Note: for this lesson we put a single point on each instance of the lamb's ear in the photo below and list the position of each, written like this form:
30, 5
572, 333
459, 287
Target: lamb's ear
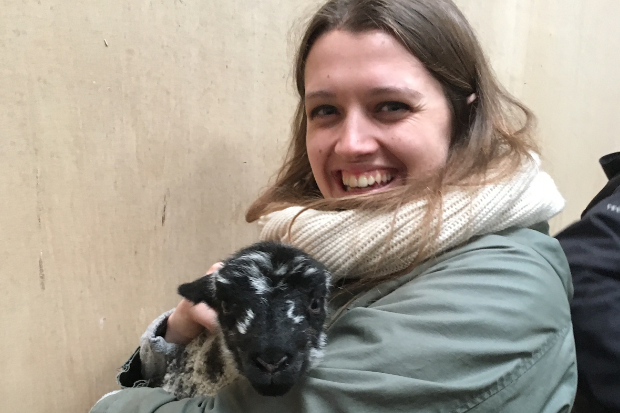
198, 291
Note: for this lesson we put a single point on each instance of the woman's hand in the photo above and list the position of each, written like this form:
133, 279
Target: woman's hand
189, 320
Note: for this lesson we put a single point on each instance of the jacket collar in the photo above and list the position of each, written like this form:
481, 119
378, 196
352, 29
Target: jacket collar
611, 166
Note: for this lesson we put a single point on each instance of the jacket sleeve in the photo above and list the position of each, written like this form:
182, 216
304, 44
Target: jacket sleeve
592, 246
147, 365
485, 329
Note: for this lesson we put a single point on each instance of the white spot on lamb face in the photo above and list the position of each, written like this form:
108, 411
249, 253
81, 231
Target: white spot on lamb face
291, 313
310, 271
260, 285
328, 279
317, 353
220, 279
259, 257
281, 270
243, 325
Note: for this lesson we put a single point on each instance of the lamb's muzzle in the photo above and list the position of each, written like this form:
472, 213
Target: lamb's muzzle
271, 302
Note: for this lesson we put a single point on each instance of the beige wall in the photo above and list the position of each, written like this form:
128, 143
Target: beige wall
134, 134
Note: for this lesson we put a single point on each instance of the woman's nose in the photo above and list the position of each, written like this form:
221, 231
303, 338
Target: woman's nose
356, 138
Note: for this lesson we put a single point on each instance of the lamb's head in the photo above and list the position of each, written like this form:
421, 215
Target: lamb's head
271, 302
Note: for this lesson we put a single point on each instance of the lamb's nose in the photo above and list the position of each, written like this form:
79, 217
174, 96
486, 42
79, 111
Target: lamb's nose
271, 367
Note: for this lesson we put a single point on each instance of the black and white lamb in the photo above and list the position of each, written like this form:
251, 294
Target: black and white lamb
271, 301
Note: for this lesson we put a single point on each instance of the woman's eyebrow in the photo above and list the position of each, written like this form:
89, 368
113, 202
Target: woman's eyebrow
377, 91
395, 90
319, 94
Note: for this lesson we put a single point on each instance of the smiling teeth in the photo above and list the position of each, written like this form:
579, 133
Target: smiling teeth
366, 180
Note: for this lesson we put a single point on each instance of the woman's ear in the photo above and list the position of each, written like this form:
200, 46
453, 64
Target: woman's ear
471, 98
201, 290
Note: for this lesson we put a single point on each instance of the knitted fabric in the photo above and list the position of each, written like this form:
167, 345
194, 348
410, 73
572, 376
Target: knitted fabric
362, 243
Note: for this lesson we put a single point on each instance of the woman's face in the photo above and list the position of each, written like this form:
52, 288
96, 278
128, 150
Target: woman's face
375, 114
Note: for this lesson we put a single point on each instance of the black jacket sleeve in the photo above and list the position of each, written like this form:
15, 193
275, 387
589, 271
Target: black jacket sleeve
592, 246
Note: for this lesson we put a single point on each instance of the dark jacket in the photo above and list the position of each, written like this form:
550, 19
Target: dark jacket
592, 246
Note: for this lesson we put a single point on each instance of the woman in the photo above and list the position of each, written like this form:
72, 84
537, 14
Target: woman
412, 175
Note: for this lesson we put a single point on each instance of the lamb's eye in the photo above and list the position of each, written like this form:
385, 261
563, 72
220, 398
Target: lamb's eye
315, 306
224, 308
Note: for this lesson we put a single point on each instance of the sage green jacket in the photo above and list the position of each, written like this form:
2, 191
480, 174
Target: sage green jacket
485, 327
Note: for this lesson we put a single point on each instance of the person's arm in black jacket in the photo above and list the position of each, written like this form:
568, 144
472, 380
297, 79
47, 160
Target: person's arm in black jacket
592, 246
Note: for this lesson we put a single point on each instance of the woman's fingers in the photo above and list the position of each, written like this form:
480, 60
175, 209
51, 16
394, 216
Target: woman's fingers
205, 316
214, 268
182, 328
188, 320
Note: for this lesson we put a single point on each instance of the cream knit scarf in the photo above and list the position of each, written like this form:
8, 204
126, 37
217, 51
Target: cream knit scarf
357, 243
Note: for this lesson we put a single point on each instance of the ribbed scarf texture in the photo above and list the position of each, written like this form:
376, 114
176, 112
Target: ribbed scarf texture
362, 243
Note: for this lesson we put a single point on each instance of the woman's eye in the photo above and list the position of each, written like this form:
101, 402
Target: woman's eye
322, 111
390, 107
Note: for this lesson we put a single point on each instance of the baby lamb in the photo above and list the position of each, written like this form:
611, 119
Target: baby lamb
271, 301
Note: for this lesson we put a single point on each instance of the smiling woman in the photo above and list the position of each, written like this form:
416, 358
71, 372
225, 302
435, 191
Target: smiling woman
413, 177
400, 91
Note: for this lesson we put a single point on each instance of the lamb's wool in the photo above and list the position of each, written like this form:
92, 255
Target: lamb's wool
202, 367
528, 198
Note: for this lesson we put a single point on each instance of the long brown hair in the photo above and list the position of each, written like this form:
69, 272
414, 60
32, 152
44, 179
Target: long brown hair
492, 133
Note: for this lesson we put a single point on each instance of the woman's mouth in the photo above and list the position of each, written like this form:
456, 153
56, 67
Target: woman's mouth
361, 182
